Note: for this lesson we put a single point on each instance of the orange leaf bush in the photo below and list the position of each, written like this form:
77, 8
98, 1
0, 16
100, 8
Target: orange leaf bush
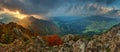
54, 40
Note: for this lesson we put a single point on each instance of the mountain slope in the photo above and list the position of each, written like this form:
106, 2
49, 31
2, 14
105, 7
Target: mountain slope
11, 31
39, 26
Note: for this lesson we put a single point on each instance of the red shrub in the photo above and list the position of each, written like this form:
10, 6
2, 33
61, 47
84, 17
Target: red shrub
54, 40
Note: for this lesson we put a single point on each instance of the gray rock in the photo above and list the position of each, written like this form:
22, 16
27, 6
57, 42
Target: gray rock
68, 37
79, 46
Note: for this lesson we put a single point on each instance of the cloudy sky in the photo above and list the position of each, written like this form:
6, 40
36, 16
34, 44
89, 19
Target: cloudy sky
64, 7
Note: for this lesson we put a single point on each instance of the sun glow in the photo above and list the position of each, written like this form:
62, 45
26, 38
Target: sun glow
15, 13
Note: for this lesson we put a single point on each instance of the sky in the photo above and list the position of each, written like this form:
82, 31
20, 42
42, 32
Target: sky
49, 8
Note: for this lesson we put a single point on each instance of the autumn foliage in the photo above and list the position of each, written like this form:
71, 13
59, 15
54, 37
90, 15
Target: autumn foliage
54, 40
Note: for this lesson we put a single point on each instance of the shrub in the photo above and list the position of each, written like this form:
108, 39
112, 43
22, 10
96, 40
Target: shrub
54, 40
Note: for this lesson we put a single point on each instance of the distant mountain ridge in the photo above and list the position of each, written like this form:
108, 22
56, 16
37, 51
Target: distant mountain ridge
84, 25
70, 25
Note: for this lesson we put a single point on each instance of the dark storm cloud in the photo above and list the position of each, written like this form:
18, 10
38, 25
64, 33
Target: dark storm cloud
44, 7
10, 4
29, 6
